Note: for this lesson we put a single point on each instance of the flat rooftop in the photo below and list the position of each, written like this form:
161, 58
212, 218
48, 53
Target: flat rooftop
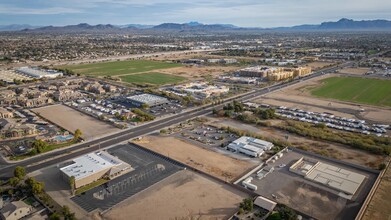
335, 177
91, 163
148, 99
244, 140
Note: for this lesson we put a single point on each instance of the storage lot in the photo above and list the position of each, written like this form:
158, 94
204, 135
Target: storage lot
311, 198
71, 120
148, 169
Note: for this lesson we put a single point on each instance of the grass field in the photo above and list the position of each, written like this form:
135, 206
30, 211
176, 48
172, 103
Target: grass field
119, 67
152, 78
355, 89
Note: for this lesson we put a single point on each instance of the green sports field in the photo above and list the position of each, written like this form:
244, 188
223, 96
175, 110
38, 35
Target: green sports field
116, 68
152, 78
355, 89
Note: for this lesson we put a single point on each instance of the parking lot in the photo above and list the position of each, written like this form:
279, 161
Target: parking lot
332, 121
211, 138
148, 169
309, 197
160, 110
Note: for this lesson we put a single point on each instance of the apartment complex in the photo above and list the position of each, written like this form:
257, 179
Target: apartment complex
273, 73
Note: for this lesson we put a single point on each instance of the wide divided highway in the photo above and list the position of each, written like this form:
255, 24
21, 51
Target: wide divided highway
56, 157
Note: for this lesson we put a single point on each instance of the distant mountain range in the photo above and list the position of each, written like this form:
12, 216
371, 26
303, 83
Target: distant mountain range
17, 27
346, 24
342, 24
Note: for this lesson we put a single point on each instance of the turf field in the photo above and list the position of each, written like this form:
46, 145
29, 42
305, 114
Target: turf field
152, 78
119, 67
355, 89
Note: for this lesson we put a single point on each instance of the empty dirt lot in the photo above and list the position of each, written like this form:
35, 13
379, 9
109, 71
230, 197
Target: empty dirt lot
298, 96
357, 71
71, 120
216, 164
193, 200
319, 65
380, 205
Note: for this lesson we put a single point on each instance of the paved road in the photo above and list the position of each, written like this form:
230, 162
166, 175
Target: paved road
6, 170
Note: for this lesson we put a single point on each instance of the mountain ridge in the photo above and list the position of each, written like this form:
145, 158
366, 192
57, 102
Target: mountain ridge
342, 24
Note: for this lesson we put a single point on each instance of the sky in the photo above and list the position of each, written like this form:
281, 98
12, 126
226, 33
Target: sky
244, 13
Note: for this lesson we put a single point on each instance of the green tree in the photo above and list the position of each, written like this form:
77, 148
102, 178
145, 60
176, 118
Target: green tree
14, 181
39, 145
37, 187
247, 204
19, 172
287, 213
55, 216
67, 213
77, 134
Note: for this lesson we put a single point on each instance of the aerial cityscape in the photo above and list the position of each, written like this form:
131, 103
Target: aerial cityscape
262, 110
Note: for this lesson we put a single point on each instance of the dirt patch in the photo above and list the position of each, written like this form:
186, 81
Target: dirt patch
193, 200
334, 150
379, 206
319, 65
357, 71
221, 166
71, 120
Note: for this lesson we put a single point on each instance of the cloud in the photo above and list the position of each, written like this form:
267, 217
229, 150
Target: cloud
38, 11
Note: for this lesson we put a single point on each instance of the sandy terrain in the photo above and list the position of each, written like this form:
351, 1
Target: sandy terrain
318, 65
358, 71
297, 96
193, 200
335, 150
380, 205
71, 120
221, 166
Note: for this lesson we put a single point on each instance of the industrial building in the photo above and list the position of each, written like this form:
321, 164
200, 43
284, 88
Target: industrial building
147, 99
94, 166
39, 73
250, 146
339, 179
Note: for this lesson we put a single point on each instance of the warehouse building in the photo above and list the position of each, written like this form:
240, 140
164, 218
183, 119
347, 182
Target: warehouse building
336, 178
39, 73
94, 166
148, 99
250, 146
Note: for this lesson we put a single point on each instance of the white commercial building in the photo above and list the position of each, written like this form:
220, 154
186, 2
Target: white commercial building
148, 99
39, 73
199, 90
250, 146
94, 166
